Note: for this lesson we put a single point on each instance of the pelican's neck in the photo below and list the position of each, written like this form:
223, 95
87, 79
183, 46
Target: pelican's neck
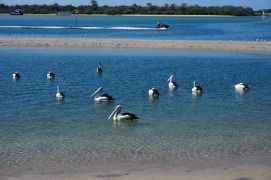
170, 79
116, 114
98, 93
58, 89
194, 83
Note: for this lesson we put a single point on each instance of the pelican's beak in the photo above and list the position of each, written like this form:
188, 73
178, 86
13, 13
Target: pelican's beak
112, 114
98, 90
170, 78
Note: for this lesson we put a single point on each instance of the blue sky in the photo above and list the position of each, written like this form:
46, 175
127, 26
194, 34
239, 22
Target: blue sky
255, 4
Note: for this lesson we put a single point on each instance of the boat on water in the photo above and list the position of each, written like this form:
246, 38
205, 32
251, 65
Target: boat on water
161, 26
263, 16
17, 12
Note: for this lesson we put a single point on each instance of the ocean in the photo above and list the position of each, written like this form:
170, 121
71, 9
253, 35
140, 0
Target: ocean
38, 132
125, 27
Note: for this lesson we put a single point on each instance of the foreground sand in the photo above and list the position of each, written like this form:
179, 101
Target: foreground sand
241, 172
250, 46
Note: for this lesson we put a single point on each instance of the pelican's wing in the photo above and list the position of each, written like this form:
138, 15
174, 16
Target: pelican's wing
199, 88
175, 84
133, 116
155, 91
108, 96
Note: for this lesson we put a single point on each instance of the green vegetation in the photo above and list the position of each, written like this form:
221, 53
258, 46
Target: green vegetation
167, 9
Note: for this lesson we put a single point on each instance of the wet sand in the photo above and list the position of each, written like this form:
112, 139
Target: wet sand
240, 172
248, 46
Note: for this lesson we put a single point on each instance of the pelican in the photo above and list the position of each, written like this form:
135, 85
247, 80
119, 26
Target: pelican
99, 68
172, 84
117, 116
50, 75
154, 92
241, 87
103, 97
196, 88
16, 76
59, 95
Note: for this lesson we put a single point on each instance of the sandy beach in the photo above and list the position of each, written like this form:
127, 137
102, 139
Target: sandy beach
229, 172
248, 46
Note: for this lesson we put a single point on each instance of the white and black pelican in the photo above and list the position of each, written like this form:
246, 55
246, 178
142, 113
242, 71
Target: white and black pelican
172, 84
16, 76
50, 75
154, 92
101, 97
241, 87
117, 116
59, 95
196, 88
99, 68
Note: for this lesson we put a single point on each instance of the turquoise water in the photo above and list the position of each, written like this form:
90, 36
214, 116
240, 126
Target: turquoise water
37, 131
203, 28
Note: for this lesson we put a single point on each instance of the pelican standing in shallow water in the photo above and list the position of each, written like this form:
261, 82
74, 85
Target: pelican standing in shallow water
196, 88
16, 76
172, 84
50, 75
154, 92
241, 87
99, 68
99, 97
117, 116
59, 95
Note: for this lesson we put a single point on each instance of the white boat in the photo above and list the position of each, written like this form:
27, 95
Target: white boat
263, 16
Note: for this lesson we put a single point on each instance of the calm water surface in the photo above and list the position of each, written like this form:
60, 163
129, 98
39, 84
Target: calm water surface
37, 131
204, 28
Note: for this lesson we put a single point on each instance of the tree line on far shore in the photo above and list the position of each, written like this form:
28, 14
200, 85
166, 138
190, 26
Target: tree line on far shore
149, 9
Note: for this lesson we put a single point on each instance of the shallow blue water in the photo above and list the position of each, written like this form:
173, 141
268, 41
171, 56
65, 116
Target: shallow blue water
205, 28
37, 131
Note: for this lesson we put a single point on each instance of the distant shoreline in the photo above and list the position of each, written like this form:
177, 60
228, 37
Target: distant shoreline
130, 15
247, 46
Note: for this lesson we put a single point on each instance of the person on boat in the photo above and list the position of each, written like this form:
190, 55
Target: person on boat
160, 25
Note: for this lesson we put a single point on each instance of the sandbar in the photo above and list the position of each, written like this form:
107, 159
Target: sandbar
248, 46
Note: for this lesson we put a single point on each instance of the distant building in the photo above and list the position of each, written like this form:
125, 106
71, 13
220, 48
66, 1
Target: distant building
66, 13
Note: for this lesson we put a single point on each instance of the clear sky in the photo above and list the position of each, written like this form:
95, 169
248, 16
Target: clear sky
255, 4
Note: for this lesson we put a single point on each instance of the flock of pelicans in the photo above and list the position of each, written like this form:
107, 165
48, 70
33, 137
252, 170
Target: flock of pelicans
116, 114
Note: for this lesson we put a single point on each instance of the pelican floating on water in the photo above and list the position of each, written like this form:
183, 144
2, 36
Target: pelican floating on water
50, 75
101, 97
117, 116
172, 84
99, 68
16, 76
59, 95
241, 87
196, 88
154, 92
